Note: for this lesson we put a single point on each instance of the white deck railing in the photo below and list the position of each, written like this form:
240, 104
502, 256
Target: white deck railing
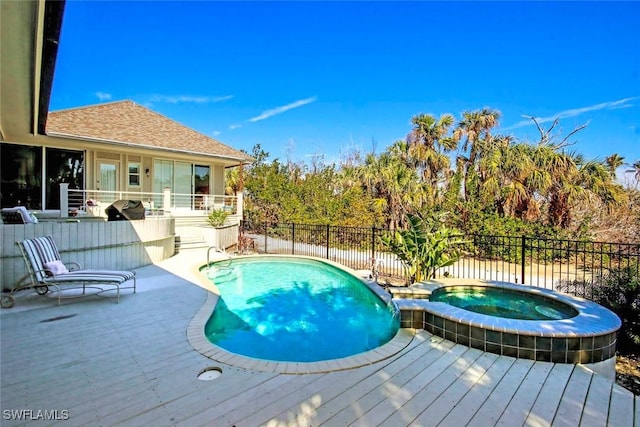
94, 202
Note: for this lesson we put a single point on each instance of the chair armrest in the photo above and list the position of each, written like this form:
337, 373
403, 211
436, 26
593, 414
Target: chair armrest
75, 265
44, 272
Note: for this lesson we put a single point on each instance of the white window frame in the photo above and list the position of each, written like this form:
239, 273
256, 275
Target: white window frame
130, 174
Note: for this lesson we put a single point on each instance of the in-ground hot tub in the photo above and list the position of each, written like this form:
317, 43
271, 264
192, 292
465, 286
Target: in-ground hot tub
504, 302
515, 320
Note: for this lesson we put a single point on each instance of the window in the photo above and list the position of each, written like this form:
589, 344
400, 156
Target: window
21, 176
22, 171
62, 166
134, 174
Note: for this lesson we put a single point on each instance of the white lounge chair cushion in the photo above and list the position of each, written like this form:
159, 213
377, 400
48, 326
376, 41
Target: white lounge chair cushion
96, 276
55, 267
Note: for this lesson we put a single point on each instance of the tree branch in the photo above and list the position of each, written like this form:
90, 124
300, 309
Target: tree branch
564, 142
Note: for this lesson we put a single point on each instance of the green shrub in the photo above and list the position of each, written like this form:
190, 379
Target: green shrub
217, 217
424, 247
619, 291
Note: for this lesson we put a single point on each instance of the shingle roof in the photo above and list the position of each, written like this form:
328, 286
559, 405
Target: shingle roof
131, 123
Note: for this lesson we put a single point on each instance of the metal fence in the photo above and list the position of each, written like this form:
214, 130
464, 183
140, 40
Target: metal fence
569, 265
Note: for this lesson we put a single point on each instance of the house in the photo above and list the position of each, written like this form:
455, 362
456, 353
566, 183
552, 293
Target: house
106, 152
84, 158
124, 150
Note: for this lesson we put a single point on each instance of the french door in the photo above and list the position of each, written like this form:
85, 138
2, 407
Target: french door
107, 180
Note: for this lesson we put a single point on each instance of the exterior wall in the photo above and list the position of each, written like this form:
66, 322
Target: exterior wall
217, 177
121, 245
21, 29
96, 152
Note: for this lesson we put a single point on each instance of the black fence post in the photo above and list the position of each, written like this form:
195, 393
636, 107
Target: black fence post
266, 236
328, 241
373, 242
523, 244
293, 238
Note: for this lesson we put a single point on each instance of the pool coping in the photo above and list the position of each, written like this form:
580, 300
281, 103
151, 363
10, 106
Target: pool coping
199, 341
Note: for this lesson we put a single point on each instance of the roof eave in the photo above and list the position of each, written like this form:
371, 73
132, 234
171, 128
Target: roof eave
244, 160
54, 12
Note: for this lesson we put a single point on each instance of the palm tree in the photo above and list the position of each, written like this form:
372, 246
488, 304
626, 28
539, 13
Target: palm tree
475, 126
428, 142
516, 180
232, 181
581, 181
613, 162
635, 169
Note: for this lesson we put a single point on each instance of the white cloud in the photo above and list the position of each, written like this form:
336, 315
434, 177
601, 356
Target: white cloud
103, 96
189, 98
235, 126
216, 133
279, 110
611, 105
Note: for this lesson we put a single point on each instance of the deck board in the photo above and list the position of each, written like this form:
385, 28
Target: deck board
440, 407
366, 394
596, 407
422, 390
524, 398
621, 408
573, 399
496, 403
131, 364
548, 399
466, 408
390, 387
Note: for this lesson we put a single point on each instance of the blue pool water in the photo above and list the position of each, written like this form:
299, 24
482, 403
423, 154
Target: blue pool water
295, 310
503, 303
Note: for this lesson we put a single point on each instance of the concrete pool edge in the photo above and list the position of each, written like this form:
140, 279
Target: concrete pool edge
198, 340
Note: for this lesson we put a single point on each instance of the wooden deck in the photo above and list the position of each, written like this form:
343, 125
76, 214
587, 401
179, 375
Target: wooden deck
130, 364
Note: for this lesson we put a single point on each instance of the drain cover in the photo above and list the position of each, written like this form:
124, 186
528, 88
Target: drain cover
210, 373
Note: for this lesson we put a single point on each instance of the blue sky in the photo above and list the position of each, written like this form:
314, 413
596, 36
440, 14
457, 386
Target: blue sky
308, 78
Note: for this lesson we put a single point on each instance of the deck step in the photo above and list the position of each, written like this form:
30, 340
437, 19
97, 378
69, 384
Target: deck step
189, 241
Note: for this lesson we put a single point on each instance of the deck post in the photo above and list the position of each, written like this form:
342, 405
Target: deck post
64, 200
166, 199
240, 204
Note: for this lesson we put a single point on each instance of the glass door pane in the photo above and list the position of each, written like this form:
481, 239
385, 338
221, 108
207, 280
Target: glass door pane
162, 178
107, 182
182, 184
201, 186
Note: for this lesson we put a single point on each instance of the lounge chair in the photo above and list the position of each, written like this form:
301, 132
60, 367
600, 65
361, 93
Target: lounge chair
17, 215
45, 269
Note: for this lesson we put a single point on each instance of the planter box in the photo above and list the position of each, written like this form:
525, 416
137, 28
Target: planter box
221, 237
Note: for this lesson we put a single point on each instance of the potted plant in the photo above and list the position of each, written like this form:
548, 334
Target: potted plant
217, 217
220, 233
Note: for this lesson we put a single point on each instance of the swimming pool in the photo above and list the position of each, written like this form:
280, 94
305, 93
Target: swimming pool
295, 309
